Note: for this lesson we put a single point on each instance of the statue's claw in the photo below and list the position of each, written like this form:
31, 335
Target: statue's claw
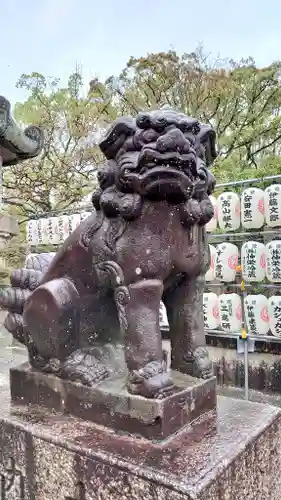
201, 364
151, 381
83, 367
196, 363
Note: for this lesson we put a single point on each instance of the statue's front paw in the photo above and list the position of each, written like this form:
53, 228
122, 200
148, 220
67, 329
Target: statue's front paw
195, 363
83, 367
202, 366
151, 381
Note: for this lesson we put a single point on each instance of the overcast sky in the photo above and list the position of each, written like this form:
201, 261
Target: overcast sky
52, 36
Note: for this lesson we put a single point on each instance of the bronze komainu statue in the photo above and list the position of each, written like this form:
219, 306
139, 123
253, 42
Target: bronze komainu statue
145, 241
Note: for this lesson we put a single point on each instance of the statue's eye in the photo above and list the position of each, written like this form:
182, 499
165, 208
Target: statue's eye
161, 122
196, 128
143, 121
184, 126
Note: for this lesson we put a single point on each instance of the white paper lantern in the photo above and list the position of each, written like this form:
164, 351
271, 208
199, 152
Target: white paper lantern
228, 206
53, 230
256, 314
63, 224
211, 311
32, 232
274, 313
273, 261
226, 260
252, 208
212, 224
230, 312
253, 261
210, 274
272, 205
84, 215
74, 221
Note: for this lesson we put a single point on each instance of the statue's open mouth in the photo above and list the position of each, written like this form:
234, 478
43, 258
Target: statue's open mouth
164, 175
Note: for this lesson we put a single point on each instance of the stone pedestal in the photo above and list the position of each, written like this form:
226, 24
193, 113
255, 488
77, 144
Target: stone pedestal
45, 455
109, 403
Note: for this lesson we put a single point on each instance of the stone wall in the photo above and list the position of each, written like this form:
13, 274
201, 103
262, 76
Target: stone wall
228, 365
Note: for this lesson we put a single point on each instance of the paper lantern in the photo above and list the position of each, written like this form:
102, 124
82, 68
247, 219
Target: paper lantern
253, 261
272, 205
32, 232
74, 221
256, 314
230, 312
228, 206
63, 224
274, 313
84, 215
210, 274
252, 208
53, 230
211, 311
212, 224
273, 261
226, 260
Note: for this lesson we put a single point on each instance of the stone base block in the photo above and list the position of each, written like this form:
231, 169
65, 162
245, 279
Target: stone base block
46, 455
109, 403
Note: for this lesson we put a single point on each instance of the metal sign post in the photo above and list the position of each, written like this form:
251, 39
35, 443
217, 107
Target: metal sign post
245, 344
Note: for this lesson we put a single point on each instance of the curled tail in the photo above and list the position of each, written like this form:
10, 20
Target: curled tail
23, 282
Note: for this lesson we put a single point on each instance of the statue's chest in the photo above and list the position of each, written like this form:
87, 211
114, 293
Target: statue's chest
188, 249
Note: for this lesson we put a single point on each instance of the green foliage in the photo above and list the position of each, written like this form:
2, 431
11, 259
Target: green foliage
65, 171
240, 100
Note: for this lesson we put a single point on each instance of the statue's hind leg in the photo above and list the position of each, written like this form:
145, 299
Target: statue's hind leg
52, 327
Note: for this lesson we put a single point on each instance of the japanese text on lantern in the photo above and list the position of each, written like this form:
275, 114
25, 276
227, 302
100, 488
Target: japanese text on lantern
12, 481
205, 307
226, 313
50, 230
247, 207
277, 318
219, 266
273, 206
251, 318
226, 211
40, 231
250, 262
276, 262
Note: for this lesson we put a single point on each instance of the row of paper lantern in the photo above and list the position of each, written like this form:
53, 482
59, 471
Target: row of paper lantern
258, 261
262, 315
255, 208
52, 230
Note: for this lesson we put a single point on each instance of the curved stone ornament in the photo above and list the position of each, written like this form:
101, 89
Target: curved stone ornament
16, 144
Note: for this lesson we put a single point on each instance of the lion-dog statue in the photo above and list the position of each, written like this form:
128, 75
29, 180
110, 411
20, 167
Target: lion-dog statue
144, 242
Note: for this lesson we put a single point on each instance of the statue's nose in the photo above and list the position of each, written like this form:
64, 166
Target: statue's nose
173, 140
